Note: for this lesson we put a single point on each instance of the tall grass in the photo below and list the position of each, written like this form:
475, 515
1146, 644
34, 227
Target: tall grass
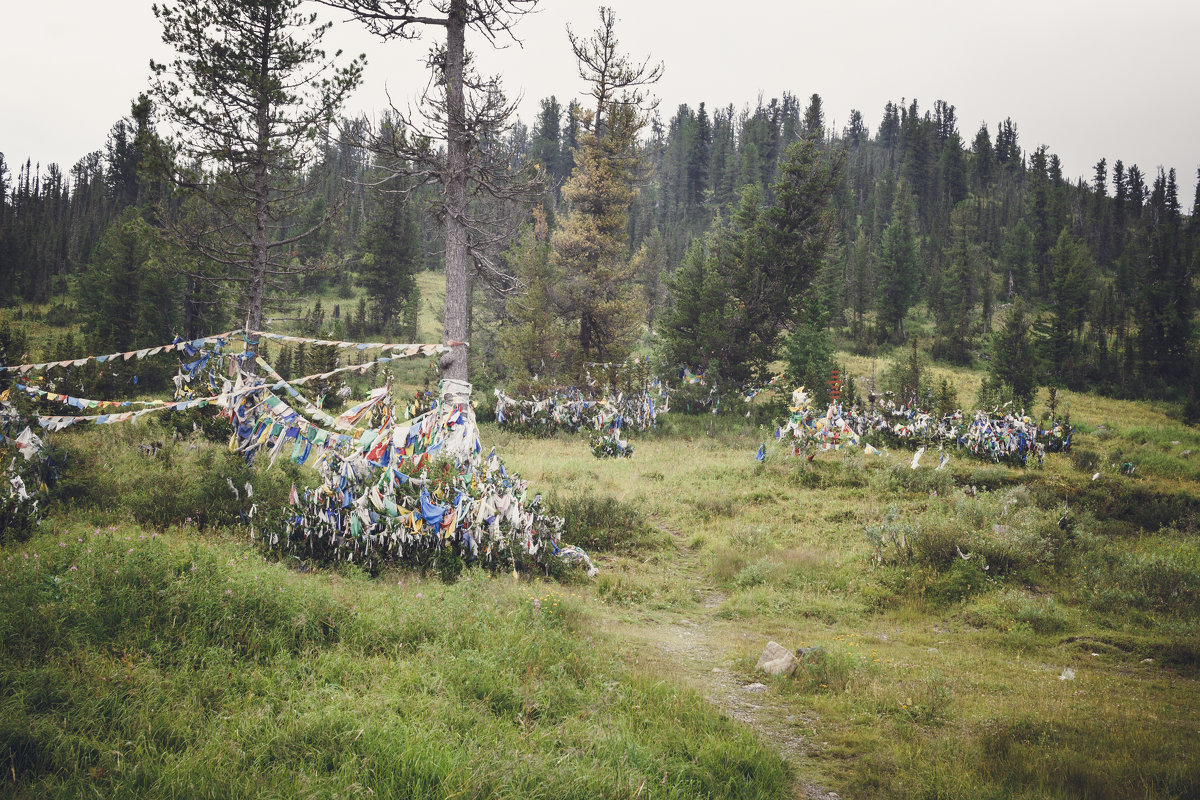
161, 665
149, 474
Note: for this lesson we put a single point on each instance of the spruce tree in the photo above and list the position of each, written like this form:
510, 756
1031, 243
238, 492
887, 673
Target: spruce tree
534, 339
808, 350
123, 300
248, 89
897, 284
1012, 371
651, 268
391, 258
1073, 269
1165, 293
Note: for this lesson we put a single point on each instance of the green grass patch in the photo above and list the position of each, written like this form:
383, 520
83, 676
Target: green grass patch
605, 524
148, 665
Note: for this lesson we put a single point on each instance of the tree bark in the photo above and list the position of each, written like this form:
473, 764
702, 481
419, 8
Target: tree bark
261, 195
454, 363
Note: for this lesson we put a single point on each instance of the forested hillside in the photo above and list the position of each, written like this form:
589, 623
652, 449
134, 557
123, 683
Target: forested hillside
923, 217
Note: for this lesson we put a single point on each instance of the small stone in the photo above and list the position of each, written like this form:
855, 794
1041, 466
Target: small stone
1095, 654
1068, 674
1147, 660
755, 687
776, 660
810, 653
933, 649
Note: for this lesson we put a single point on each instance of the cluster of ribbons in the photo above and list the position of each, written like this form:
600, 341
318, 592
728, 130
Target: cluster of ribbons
610, 445
405, 490
988, 436
15, 431
570, 409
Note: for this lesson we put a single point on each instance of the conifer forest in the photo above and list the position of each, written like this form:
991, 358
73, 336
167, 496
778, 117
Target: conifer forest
648, 446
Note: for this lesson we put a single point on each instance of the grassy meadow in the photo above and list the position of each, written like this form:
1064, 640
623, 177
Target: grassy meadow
978, 632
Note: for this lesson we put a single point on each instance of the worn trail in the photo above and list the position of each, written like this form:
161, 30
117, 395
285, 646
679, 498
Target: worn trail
716, 657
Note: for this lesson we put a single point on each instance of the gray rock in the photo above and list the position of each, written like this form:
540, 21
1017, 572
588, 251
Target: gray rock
755, 687
776, 660
814, 653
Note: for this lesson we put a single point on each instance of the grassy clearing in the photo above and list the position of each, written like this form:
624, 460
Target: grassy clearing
938, 675
981, 632
165, 664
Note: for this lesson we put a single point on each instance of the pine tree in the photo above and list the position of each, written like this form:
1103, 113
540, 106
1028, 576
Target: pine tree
897, 268
390, 261
467, 113
598, 293
808, 351
248, 89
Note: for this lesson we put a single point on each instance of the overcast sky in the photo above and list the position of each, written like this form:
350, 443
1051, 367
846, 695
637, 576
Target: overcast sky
1088, 78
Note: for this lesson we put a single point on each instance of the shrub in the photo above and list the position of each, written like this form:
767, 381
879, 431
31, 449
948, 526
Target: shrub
604, 523
823, 670
1165, 578
960, 550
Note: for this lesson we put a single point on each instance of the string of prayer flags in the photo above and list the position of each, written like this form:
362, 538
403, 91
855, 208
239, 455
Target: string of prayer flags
570, 409
189, 346
398, 350
82, 403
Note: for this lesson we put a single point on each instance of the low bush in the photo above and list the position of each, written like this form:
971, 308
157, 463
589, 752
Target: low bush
1160, 574
966, 545
828, 670
605, 524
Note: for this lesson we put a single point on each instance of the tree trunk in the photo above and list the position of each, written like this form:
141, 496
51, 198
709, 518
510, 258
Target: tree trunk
454, 363
261, 195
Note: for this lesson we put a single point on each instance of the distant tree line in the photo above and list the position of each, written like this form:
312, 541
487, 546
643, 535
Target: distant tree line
723, 238
1094, 282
